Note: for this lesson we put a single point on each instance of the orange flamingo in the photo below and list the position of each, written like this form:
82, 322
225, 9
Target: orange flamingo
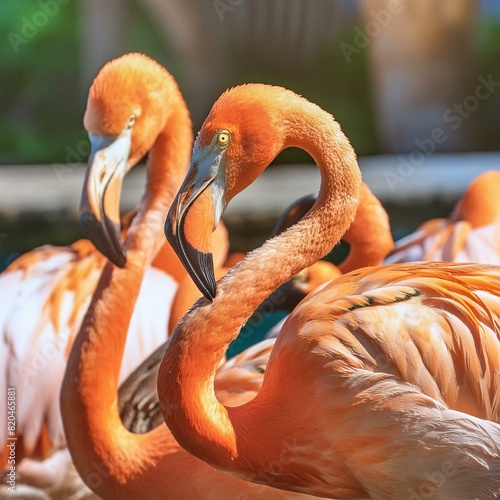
377, 380
111, 460
369, 237
471, 234
45, 293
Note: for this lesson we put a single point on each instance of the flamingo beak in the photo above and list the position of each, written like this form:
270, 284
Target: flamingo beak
100, 202
194, 215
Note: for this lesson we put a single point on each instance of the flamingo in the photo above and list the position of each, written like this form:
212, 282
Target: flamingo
112, 461
380, 382
369, 237
58, 283
370, 240
471, 234
45, 293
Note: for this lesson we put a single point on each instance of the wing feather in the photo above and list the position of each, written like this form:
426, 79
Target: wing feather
449, 242
434, 325
43, 298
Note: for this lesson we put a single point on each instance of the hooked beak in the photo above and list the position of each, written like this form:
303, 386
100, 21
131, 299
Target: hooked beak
100, 202
195, 213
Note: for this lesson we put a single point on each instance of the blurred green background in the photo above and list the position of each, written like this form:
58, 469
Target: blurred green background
44, 79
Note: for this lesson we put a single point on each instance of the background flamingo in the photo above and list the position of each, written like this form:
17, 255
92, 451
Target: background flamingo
358, 383
369, 238
44, 295
39, 323
471, 234
114, 462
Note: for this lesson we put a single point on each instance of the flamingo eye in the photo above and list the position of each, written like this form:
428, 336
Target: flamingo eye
131, 121
223, 138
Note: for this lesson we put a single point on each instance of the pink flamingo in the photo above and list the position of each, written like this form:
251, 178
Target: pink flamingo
376, 379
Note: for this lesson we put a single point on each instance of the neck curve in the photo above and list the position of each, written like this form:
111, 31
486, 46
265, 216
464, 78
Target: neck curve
369, 235
94, 431
200, 424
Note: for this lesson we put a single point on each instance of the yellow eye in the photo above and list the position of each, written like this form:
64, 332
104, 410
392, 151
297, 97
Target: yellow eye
223, 137
131, 121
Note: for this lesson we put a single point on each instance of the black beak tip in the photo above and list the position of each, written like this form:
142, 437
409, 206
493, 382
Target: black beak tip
198, 264
201, 269
211, 292
105, 236
119, 259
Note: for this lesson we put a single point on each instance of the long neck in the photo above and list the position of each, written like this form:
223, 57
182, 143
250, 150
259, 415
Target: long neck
198, 421
369, 236
95, 433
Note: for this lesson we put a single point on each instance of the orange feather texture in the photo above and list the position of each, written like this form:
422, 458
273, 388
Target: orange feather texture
123, 88
114, 462
377, 381
470, 234
369, 235
45, 293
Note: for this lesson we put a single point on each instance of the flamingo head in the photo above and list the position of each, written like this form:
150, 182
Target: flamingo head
126, 111
242, 134
480, 203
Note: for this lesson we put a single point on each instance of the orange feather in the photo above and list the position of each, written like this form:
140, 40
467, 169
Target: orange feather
114, 462
378, 379
471, 234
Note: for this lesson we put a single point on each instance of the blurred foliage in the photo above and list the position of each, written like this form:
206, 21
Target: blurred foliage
488, 50
42, 105
337, 86
39, 76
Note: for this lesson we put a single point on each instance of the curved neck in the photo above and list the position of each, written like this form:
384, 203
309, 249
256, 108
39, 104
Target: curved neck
93, 427
199, 422
369, 235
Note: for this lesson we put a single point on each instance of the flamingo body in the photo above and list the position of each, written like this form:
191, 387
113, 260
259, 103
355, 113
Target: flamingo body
471, 234
449, 242
375, 379
114, 462
44, 295
377, 336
